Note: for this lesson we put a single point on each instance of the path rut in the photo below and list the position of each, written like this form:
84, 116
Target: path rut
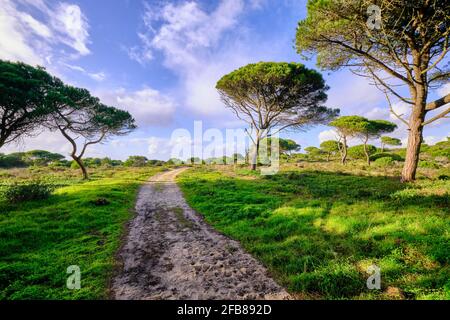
171, 253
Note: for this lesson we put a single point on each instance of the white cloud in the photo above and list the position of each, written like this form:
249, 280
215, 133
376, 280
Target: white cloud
73, 26
13, 34
37, 27
51, 141
99, 76
444, 90
328, 135
199, 46
148, 106
431, 140
355, 95
34, 33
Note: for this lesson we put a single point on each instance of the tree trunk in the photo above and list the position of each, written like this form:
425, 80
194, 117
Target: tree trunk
82, 167
366, 152
328, 157
254, 163
344, 151
415, 139
382, 147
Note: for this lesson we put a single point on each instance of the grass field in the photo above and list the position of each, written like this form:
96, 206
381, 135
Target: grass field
40, 239
318, 228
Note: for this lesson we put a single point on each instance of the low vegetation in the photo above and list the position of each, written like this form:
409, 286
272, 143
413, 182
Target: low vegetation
319, 226
80, 223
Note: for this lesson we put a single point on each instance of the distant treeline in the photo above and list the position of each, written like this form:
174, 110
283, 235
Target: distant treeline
42, 158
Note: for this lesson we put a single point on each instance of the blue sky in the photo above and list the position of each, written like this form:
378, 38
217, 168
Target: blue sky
161, 59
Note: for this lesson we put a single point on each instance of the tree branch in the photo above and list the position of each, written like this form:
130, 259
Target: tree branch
438, 103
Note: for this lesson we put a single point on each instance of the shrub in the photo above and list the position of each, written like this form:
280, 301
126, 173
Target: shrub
20, 192
384, 162
357, 152
428, 164
393, 156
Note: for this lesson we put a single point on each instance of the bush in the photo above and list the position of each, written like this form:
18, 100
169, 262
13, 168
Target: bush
357, 152
393, 156
429, 165
384, 162
20, 192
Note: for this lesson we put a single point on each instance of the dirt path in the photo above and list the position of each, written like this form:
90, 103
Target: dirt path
171, 253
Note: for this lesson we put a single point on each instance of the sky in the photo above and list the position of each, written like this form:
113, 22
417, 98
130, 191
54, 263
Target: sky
160, 60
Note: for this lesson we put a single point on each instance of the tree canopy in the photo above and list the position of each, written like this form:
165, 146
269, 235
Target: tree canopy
389, 141
275, 96
356, 126
23, 90
331, 147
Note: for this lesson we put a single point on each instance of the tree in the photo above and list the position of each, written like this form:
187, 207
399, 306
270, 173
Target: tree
41, 157
12, 160
287, 146
314, 152
370, 129
394, 43
23, 90
83, 120
136, 161
347, 127
331, 147
275, 96
388, 141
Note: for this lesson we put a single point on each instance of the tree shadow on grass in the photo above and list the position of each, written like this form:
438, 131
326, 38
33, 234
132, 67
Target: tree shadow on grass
318, 231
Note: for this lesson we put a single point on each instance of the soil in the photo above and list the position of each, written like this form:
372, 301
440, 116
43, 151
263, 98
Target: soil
172, 253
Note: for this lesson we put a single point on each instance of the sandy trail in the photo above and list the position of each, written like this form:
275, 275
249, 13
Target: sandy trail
171, 253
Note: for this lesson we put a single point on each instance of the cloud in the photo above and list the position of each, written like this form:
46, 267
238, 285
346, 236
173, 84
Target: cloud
431, 140
444, 90
14, 33
51, 141
354, 95
71, 23
148, 106
34, 33
200, 46
99, 76
328, 135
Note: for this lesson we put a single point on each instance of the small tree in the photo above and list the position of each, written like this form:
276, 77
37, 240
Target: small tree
287, 146
275, 96
23, 90
84, 121
347, 127
331, 147
388, 141
136, 161
314, 152
370, 129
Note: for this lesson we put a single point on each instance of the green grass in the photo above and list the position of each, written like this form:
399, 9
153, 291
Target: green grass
318, 231
40, 239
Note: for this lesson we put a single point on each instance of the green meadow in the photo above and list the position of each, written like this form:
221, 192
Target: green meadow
80, 224
318, 227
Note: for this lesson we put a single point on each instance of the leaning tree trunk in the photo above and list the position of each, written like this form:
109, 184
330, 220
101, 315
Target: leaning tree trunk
366, 152
82, 167
344, 151
415, 139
